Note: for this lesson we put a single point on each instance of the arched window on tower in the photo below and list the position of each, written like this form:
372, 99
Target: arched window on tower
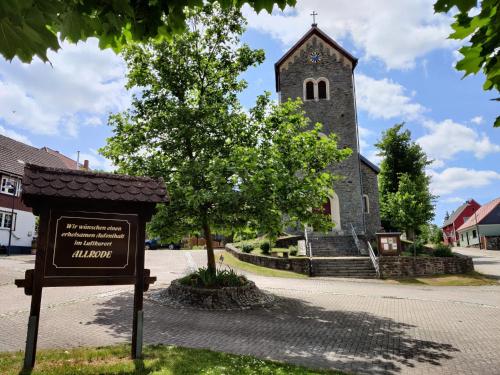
310, 90
322, 90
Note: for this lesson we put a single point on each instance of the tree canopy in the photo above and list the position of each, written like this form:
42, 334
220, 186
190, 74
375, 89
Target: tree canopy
223, 167
29, 28
405, 200
482, 31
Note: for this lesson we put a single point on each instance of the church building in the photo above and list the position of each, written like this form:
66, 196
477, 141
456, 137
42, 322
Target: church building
320, 72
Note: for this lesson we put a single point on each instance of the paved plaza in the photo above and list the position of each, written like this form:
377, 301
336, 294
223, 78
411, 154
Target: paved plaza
485, 261
366, 327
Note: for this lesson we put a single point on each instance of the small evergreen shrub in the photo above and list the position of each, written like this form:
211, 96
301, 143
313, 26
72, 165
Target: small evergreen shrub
442, 250
247, 248
266, 248
293, 250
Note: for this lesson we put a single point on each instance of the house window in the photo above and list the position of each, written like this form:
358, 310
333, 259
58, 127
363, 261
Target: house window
310, 90
322, 90
9, 185
6, 220
366, 204
462, 236
474, 234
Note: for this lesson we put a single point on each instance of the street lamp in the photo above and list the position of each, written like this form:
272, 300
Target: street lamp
477, 227
14, 190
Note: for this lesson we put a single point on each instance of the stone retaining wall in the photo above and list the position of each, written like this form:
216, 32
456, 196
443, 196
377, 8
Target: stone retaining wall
299, 265
395, 267
288, 241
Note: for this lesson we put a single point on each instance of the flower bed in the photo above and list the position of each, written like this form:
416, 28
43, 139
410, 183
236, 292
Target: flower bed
226, 298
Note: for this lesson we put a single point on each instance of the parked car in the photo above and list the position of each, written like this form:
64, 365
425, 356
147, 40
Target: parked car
155, 244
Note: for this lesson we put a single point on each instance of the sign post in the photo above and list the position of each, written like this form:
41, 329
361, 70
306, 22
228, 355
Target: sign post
91, 232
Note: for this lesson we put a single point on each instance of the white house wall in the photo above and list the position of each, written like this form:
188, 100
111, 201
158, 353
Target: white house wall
24, 229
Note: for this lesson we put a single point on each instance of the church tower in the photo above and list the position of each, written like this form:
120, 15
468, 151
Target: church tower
320, 72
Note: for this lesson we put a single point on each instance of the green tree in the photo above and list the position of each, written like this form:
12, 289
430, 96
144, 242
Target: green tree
430, 233
405, 200
223, 168
481, 30
410, 206
29, 28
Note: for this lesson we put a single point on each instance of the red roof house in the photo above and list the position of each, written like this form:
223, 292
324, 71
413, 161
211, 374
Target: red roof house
456, 219
482, 229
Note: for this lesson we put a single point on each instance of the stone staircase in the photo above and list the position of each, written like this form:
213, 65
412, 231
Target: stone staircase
355, 267
336, 246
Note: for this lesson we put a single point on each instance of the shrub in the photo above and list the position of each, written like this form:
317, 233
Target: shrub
417, 247
293, 250
442, 250
265, 247
222, 278
247, 248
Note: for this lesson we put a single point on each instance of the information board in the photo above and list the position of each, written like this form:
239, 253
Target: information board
89, 244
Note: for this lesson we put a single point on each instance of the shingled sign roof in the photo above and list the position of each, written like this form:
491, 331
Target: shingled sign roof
77, 184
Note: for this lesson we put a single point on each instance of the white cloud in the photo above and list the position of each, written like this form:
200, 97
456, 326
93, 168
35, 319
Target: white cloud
374, 157
364, 134
396, 32
386, 99
14, 135
83, 84
448, 138
478, 120
454, 179
93, 121
454, 200
437, 163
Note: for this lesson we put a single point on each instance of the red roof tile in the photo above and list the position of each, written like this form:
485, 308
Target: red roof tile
480, 214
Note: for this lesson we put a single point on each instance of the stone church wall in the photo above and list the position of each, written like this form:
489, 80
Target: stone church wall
370, 188
337, 115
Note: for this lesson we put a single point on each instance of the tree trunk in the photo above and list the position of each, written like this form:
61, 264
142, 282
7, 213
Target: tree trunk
210, 249
410, 234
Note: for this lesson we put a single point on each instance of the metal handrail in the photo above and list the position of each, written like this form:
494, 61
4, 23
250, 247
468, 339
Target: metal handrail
308, 250
374, 259
356, 239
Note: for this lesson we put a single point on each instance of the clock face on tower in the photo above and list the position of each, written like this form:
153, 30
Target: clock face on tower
315, 57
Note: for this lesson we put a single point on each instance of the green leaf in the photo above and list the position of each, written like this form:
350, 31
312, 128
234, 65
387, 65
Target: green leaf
443, 6
472, 60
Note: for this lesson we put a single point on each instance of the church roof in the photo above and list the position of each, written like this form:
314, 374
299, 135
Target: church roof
369, 164
314, 30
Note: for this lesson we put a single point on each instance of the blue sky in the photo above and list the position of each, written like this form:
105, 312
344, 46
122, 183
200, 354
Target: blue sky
405, 73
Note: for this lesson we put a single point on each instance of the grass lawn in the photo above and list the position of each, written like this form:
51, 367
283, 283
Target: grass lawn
158, 359
468, 279
233, 262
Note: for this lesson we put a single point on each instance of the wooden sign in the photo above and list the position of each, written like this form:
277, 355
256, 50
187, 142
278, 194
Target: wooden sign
91, 232
89, 244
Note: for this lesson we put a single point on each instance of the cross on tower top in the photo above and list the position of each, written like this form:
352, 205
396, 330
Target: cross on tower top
314, 14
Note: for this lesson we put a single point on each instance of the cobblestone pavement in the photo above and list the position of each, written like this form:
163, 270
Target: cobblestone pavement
367, 327
485, 261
